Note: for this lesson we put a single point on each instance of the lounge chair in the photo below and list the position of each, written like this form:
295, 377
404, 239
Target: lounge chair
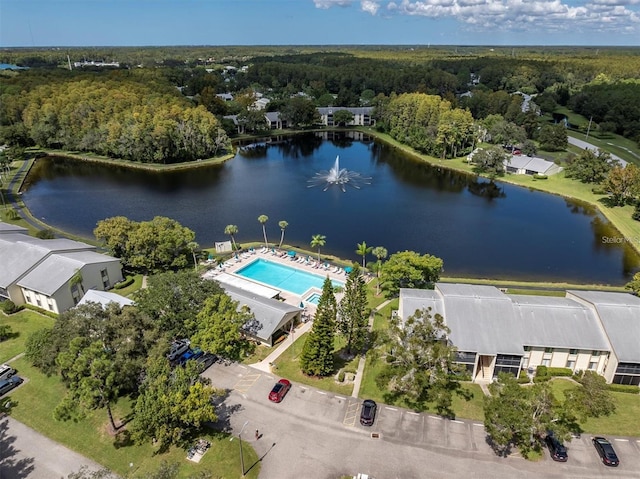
336, 269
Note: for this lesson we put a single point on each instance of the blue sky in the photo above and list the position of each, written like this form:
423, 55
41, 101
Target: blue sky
318, 22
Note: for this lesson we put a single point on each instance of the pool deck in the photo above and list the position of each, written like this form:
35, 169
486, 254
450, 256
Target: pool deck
278, 256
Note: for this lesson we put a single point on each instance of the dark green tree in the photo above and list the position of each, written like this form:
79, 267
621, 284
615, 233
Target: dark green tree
352, 318
299, 111
591, 398
490, 161
317, 353
590, 166
623, 184
408, 269
634, 284
173, 300
342, 117
553, 137
221, 327
420, 363
363, 250
173, 404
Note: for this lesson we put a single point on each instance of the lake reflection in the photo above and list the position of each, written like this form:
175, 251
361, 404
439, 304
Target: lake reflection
480, 229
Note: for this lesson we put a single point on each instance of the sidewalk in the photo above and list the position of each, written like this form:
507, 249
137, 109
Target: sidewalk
265, 364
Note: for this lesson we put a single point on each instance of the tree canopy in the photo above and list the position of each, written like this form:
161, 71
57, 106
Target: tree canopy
408, 269
316, 358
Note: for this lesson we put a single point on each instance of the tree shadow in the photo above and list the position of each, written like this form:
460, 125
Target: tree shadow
10, 465
500, 451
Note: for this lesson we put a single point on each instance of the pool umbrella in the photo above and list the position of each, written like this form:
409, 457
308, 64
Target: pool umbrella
291, 253
301, 304
348, 269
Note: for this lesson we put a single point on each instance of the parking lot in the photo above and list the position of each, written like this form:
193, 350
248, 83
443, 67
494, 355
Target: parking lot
461, 443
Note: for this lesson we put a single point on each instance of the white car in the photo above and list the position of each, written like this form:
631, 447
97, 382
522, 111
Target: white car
178, 348
6, 371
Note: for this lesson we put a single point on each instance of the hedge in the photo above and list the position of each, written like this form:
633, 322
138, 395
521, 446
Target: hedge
523, 378
51, 314
541, 379
624, 388
565, 372
123, 284
9, 307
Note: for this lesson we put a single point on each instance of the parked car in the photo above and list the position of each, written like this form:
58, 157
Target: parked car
206, 360
556, 448
606, 451
178, 348
190, 354
368, 412
6, 371
8, 384
279, 390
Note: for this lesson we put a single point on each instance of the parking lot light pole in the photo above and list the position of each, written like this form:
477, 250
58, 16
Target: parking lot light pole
240, 441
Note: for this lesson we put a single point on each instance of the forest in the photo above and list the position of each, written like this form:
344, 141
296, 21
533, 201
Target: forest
161, 105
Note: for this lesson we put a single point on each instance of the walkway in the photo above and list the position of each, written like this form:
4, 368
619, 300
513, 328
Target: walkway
265, 364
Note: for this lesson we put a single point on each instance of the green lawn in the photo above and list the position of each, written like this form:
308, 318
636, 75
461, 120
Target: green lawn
22, 325
38, 396
132, 288
624, 422
288, 366
261, 352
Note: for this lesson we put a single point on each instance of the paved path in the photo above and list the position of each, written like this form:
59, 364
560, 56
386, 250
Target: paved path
588, 146
265, 364
25, 453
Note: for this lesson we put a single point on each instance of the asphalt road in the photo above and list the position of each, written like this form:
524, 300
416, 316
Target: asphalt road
313, 434
25, 453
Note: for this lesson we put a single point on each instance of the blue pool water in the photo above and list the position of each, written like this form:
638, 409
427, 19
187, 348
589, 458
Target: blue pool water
313, 298
283, 277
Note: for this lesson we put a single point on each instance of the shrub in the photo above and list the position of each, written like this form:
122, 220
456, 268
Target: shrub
542, 371
44, 312
5, 331
341, 376
557, 372
37, 347
624, 388
538, 176
636, 213
45, 234
523, 378
541, 379
12, 214
9, 307
123, 284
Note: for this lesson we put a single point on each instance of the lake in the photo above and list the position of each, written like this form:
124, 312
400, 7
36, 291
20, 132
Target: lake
479, 228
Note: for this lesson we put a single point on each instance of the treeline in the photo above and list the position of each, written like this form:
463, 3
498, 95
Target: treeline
117, 116
427, 123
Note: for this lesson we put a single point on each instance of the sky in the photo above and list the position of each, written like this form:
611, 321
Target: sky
33, 23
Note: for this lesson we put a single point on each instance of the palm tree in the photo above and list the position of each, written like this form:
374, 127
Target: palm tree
363, 250
232, 230
379, 252
193, 246
263, 219
318, 241
283, 225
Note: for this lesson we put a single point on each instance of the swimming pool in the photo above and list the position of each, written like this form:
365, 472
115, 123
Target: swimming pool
284, 277
313, 298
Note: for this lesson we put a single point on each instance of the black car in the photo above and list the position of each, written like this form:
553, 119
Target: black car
8, 384
206, 360
368, 412
556, 448
606, 451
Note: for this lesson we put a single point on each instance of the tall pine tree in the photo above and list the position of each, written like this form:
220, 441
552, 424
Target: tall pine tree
317, 353
352, 311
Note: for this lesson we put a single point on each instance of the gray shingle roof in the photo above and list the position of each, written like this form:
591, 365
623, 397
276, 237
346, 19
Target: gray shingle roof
270, 313
56, 270
620, 316
9, 228
558, 323
538, 165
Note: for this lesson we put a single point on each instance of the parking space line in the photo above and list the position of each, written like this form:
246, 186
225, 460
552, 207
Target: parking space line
350, 414
478, 424
339, 397
323, 393
390, 408
457, 422
245, 383
435, 417
413, 413
622, 440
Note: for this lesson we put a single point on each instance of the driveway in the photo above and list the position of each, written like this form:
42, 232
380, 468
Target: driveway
315, 434
588, 146
24, 453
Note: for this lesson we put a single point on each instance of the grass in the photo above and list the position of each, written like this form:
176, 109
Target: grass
132, 288
22, 324
536, 292
624, 422
38, 396
261, 352
288, 366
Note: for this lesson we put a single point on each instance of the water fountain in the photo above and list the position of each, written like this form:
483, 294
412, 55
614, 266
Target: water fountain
340, 177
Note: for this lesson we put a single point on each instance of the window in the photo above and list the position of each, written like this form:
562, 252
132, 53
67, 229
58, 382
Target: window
105, 278
627, 373
592, 365
573, 351
595, 353
546, 362
38, 301
571, 364
548, 350
527, 348
50, 305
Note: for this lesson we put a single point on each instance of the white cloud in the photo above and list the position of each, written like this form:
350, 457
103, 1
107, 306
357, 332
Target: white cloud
369, 6
513, 15
324, 4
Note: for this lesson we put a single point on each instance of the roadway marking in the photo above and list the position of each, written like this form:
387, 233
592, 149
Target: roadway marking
246, 382
323, 393
478, 424
622, 440
339, 397
413, 413
243, 367
435, 417
350, 414
390, 408
456, 421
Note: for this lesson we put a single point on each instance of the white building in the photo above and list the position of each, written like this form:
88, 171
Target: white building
495, 332
527, 165
361, 115
43, 272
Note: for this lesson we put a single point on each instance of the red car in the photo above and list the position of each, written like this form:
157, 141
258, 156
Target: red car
279, 391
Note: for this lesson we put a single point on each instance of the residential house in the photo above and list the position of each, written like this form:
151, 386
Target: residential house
527, 165
51, 274
495, 332
361, 115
